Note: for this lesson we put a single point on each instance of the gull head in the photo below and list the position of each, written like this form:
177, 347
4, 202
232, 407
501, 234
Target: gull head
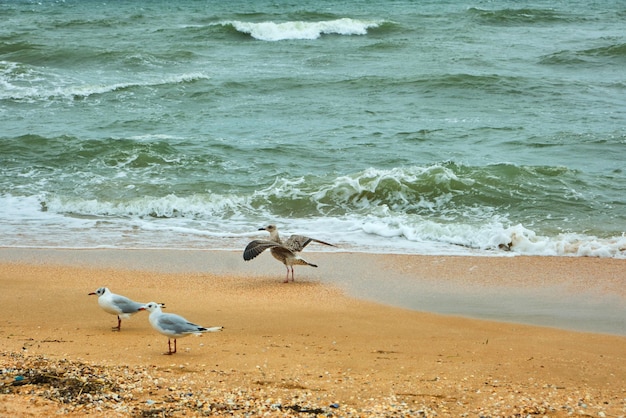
100, 291
269, 228
151, 307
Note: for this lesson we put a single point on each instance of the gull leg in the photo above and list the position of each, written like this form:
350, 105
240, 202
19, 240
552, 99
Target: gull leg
169, 347
119, 324
287, 278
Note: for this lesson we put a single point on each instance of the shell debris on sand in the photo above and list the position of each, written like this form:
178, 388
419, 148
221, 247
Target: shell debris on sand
44, 386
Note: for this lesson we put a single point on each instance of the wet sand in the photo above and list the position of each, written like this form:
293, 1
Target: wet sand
313, 346
582, 294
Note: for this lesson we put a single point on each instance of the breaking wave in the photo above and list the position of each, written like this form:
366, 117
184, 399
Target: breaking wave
273, 31
441, 208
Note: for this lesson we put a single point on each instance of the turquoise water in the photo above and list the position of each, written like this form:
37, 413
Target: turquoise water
427, 127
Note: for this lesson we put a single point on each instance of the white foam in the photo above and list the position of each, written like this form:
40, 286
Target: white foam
210, 221
170, 206
527, 242
272, 31
33, 85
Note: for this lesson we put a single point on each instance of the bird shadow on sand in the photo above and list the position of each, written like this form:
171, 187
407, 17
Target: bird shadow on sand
273, 286
276, 282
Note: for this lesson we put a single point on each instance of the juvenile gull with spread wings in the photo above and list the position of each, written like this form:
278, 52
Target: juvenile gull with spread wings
287, 252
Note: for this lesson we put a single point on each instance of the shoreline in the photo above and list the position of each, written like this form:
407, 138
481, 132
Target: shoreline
299, 349
572, 293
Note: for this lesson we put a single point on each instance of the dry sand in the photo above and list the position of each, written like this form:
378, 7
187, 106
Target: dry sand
298, 349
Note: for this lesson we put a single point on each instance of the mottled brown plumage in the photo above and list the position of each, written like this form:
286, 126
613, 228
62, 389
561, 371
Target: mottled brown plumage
286, 252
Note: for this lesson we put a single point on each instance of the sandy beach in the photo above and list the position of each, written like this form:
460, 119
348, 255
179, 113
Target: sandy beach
323, 345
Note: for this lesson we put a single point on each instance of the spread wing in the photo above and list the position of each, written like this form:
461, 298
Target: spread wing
256, 247
296, 243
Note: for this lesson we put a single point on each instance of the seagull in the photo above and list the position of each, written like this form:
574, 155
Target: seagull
286, 252
172, 325
116, 305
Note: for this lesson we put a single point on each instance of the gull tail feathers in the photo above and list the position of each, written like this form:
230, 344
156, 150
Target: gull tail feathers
211, 329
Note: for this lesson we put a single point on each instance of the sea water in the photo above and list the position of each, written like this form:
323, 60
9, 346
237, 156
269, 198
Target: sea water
427, 127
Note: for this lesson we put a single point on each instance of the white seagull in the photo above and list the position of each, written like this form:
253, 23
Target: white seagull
172, 325
287, 252
116, 305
